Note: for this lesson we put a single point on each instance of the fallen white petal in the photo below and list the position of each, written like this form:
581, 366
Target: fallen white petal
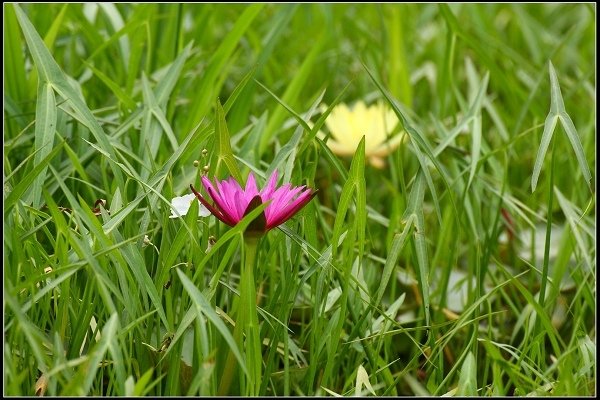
181, 205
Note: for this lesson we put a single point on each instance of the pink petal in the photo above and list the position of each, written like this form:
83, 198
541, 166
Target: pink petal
276, 200
240, 204
283, 199
227, 195
289, 212
251, 189
215, 195
212, 209
283, 203
267, 191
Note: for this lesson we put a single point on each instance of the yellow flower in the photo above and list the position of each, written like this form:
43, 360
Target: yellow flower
376, 122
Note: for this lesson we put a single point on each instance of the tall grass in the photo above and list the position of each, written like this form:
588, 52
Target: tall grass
466, 266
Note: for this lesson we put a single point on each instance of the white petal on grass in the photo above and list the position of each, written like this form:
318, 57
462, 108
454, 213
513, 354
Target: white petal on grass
181, 205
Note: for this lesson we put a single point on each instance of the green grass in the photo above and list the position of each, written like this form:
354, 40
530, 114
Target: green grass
467, 266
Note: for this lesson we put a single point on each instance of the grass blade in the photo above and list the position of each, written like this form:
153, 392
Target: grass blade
203, 307
291, 94
82, 384
571, 132
50, 72
467, 383
223, 145
26, 182
207, 89
422, 145
415, 208
558, 112
45, 126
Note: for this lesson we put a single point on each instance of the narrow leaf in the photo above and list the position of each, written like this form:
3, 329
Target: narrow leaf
45, 126
549, 127
223, 145
467, 382
203, 307
558, 112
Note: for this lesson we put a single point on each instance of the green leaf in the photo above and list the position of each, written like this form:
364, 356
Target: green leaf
353, 182
296, 116
83, 383
558, 112
57, 23
223, 145
571, 132
210, 84
113, 86
50, 72
203, 307
392, 258
45, 126
415, 209
14, 62
291, 93
467, 382
26, 182
317, 126
549, 127
421, 145
238, 90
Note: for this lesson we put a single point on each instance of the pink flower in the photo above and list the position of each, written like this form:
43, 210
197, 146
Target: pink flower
232, 202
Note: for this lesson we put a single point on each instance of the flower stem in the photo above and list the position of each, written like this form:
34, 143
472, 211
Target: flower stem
246, 324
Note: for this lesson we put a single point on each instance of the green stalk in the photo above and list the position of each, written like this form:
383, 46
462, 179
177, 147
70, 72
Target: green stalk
246, 322
249, 308
542, 298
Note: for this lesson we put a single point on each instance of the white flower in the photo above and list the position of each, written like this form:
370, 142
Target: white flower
181, 205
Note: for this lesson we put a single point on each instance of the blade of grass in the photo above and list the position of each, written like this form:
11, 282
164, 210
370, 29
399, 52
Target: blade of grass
223, 145
558, 112
291, 94
50, 72
207, 89
203, 307
25, 183
422, 145
392, 257
467, 382
354, 185
113, 86
415, 208
45, 127
82, 383
14, 62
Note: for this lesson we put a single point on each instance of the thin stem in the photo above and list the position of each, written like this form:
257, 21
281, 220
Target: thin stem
249, 308
542, 297
246, 323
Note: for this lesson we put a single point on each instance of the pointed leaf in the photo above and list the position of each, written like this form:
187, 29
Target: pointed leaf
467, 382
203, 307
223, 144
